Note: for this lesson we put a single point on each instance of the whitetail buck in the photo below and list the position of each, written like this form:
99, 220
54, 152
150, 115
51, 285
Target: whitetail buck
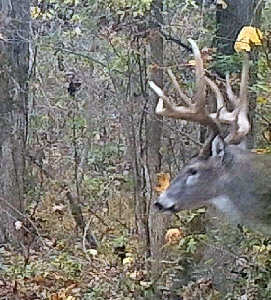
224, 174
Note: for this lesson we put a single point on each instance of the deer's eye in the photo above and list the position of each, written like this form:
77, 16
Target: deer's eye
192, 177
192, 171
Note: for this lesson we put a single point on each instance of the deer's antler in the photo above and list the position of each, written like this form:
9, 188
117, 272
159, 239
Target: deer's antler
195, 109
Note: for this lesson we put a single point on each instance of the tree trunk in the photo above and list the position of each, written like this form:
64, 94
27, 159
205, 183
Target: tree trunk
14, 46
157, 222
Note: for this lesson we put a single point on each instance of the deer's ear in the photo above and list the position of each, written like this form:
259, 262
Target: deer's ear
218, 147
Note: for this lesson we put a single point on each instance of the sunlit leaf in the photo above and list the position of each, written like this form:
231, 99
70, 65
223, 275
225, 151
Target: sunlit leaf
262, 100
248, 36
163, 182
260, 151
173, 236
127, 261
35, 12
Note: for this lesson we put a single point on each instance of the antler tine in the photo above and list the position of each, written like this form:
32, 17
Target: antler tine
193, 110
244, 80
233, 98
186, 99
222, 115
242, 126
238, 117
165, 108
199, 97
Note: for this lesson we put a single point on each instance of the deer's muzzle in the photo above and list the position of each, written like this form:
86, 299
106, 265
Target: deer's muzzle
164, 204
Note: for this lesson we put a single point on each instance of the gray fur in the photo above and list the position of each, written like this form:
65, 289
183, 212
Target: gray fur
235, 181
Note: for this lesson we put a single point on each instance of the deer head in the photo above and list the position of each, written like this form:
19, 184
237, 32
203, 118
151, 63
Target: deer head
224, 174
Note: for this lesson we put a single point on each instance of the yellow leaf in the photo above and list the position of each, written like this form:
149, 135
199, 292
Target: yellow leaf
163, 182
35, 12
260, 151
247, 37
222, 3
127, 261
261, 100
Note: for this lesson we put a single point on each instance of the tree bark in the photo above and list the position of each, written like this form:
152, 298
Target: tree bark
14, 49
157, 222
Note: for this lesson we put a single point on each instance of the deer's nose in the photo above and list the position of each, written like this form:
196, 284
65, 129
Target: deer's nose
161, 207
158, 205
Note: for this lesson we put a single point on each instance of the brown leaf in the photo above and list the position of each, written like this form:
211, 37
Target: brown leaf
173, 236
163, 182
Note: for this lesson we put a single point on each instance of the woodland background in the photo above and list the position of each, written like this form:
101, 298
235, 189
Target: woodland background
81, 150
